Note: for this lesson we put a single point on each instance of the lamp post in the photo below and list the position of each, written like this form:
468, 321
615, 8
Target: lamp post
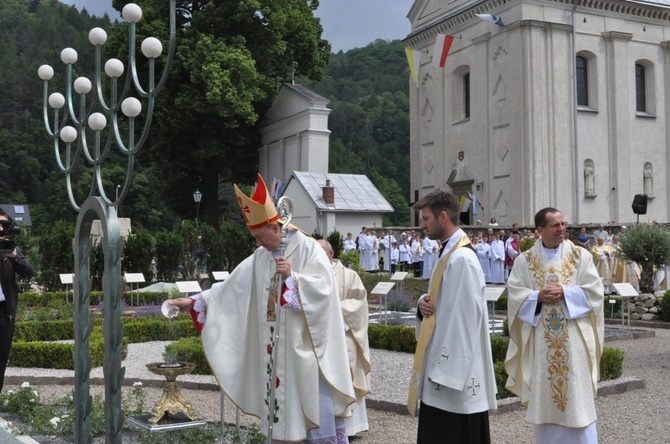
197, 197
79, 125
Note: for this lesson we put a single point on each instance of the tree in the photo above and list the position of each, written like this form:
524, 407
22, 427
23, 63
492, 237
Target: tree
649, 246
231, 59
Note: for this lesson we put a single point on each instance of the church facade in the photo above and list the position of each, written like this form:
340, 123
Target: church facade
566, 105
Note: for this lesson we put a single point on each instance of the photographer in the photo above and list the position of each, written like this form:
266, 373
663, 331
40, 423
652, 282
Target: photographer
12, 262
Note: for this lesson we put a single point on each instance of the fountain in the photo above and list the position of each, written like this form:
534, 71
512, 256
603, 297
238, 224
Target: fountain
172, 411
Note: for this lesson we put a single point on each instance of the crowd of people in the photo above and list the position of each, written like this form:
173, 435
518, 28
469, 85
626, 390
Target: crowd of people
308, 384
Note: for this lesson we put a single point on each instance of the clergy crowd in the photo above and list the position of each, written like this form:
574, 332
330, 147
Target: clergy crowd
286, 333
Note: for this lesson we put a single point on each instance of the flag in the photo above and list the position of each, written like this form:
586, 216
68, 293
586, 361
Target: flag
414, 60
491, 19
475, 203
442, 45
465, 204
277, 188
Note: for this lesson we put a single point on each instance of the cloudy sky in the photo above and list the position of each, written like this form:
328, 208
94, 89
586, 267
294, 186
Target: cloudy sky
347, 24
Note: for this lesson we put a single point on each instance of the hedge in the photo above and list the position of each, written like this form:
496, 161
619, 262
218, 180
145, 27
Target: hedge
34, 299
58, 355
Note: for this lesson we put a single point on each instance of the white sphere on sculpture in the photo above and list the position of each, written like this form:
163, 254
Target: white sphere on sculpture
131, 107
68, 134
56, 100
97, 121
152, 47
131, 13
82, 85
68, 56
114, 67
97, 36
45, 72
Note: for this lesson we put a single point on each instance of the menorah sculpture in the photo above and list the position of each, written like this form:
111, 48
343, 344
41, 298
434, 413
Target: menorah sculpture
70, 129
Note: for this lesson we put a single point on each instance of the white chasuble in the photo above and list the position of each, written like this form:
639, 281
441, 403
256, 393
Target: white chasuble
237, 339
554, 366
354, 302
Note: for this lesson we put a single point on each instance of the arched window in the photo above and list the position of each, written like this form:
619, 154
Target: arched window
640, 89
582, 81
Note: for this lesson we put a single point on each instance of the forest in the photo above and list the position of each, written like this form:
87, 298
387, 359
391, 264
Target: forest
229, 64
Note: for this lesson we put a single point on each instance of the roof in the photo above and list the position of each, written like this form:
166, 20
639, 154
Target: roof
20, 214
353, 192
664, 3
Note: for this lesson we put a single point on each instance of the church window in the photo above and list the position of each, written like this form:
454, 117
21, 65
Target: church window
466, 95
586, 81
460, 94
582, 82
640, 89
645, 99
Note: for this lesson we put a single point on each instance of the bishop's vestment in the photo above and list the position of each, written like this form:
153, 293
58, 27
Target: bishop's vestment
312, 359
554, 351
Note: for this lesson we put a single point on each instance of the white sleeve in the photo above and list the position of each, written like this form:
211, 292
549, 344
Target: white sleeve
528, 308
576, 303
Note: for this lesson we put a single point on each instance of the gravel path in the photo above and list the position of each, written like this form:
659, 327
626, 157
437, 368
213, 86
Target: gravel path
639, 416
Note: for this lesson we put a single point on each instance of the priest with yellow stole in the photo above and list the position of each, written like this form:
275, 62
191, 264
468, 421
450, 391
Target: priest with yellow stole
556, 328
314, 390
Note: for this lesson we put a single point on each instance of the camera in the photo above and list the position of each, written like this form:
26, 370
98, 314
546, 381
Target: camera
7, 246
7, 227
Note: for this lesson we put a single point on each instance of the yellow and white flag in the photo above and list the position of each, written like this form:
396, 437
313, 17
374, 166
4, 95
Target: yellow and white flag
414, 60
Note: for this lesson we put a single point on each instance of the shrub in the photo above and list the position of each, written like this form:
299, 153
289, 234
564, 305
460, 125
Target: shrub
501, 303
400, 301
499, 346
665, 306
351, 259
526, 244
501, 379
649, 246
32, 331
611, 363
392, 337
138, 254
335, 239
188, 350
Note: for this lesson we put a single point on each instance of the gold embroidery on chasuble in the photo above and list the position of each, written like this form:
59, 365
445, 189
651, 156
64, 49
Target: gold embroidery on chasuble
555, 326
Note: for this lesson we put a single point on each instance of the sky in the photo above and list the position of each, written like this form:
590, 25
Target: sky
346, 24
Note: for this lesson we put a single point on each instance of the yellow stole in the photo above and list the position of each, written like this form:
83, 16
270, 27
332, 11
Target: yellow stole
427, 328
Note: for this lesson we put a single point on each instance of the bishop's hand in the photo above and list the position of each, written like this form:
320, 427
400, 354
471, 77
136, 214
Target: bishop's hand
283, 267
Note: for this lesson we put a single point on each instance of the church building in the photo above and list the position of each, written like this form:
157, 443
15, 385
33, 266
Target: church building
560, 103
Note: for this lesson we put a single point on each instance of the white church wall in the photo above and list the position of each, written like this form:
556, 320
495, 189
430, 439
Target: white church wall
519, 138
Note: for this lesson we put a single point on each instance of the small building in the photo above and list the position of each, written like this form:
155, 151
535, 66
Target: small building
20, 214
323, 202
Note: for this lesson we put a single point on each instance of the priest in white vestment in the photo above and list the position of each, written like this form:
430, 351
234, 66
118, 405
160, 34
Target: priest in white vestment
453, 374
354, 302
296, 293
556, 327
430, 251
483, 251
497, 260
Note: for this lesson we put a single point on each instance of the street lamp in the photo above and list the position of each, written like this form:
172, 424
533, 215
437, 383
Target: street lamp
197, 197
